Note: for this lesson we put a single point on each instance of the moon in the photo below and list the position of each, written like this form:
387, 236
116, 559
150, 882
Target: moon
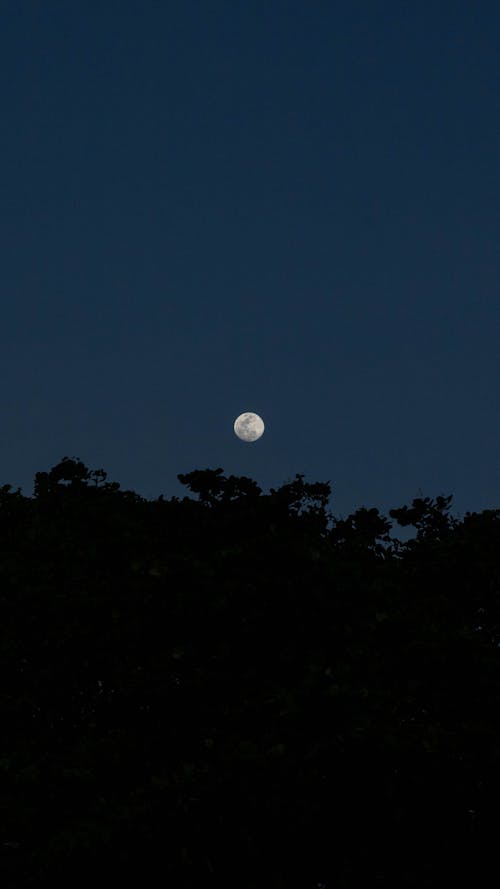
249, 426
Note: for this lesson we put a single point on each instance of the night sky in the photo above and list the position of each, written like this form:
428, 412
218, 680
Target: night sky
290, 208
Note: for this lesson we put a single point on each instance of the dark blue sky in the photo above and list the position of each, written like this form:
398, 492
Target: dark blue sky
285, 207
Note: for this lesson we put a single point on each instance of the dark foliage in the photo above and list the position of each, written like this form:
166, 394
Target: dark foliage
240, 690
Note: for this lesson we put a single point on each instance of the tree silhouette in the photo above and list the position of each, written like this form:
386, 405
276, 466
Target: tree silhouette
240, 689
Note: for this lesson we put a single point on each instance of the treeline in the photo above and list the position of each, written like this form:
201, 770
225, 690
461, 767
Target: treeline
237, 689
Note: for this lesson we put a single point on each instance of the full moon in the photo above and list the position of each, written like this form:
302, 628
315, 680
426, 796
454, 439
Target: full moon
248, 426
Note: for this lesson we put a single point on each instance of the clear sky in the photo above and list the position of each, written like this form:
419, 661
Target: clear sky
284, 207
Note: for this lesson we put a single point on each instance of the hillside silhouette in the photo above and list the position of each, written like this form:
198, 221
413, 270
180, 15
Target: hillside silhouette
237, 689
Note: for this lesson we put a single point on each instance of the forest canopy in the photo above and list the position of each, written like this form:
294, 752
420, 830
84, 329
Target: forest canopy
239, 689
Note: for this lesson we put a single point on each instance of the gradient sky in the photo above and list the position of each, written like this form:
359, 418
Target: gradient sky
284, 207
